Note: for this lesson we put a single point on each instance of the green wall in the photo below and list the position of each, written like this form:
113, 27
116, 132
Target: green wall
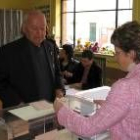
31, 4
14, 4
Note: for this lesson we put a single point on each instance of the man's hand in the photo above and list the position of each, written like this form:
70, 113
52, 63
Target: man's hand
67, 74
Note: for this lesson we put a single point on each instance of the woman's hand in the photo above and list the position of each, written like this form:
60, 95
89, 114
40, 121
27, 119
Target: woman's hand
58, 103
99, 102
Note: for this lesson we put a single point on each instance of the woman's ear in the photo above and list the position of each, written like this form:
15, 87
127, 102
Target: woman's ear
132, 54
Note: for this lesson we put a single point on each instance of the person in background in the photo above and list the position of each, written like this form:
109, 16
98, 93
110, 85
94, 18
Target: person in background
120, 111
95, 47
67, 63
29, 66
87, 74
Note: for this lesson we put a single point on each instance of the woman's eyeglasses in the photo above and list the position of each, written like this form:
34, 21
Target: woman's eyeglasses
117, 53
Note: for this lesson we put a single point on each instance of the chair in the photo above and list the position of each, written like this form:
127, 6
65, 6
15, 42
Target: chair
102, 63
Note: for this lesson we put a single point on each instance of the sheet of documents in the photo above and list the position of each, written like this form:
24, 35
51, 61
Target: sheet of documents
70, 90
33, 111
99, 93
41, 105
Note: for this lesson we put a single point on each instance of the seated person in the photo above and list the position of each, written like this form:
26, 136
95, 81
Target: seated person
87, 74
67, 63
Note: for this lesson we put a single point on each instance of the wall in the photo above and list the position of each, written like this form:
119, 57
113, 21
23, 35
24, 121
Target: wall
35, 3
57, 21
31, 4
22, 4
15, 4
136, 10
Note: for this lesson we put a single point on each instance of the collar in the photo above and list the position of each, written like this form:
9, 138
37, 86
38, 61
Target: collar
134, 71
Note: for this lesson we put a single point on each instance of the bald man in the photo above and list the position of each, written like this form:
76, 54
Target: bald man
29, 68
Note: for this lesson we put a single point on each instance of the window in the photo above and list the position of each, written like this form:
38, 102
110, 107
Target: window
92, 20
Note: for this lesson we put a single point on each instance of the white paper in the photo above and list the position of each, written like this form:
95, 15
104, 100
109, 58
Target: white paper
29, 112
71, 91
99, 93
82, 101
41, 105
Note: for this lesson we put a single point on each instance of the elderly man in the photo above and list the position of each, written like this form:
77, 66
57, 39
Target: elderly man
29, 68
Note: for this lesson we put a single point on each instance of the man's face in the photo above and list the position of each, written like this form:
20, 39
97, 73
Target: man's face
86, 62
62, 54
35, 29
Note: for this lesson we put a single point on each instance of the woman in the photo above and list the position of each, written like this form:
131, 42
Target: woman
120, 113
67, 63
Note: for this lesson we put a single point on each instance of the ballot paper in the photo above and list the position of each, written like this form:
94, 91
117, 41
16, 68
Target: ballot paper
71, 91
33, 111
99, 93
82, 101
42, 105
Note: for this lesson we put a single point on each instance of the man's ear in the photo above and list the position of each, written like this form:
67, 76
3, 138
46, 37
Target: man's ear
23, 29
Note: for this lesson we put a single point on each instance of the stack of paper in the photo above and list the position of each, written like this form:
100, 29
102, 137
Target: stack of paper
70, 91
99, 93
82, 101
33, 111
41, 105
